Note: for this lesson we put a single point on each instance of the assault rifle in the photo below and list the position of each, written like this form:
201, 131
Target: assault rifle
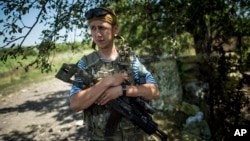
135, 109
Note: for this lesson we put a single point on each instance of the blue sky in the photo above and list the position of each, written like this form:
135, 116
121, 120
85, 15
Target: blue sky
28, 20
33, 37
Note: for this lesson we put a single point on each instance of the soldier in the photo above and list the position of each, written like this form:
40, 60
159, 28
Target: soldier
105, 64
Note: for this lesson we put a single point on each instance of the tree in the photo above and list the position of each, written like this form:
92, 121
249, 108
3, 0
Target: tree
153, 25
56, 15
156, 27
59, 15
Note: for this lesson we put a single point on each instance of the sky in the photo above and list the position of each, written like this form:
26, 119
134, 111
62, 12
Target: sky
33, 37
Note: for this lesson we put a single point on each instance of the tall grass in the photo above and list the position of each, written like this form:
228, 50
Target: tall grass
14, 77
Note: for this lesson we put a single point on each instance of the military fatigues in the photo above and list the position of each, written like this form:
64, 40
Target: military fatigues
96, 117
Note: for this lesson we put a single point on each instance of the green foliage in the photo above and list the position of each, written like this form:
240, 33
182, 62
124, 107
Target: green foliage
13, 72
22, 63
155, 27
229, 100
151, 26
55, 15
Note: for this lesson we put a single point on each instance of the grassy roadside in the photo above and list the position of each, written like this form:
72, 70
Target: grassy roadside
19, 84
13, 77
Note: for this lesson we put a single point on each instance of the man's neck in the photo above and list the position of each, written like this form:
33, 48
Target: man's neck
108, 53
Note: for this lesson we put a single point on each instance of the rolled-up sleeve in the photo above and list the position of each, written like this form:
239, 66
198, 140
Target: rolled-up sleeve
75, 89
141, 74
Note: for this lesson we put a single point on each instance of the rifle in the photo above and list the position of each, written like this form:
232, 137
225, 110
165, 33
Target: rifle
134, 109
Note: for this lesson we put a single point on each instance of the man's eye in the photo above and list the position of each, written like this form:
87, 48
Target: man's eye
92, 28
101, 28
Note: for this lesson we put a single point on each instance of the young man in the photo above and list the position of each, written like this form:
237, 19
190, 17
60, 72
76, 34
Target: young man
104, 29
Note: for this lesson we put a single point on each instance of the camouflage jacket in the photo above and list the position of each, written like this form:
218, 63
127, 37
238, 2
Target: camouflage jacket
95, 117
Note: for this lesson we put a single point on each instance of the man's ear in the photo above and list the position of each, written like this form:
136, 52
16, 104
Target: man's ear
116, 29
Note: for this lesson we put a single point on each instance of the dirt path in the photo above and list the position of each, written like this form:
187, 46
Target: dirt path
39, 113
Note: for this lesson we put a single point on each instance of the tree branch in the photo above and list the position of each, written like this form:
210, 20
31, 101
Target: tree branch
31, 28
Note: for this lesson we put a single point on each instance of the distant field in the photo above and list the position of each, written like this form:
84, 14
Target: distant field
13, 76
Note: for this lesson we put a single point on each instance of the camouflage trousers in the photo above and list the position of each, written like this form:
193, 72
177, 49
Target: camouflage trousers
131, 134
95, 126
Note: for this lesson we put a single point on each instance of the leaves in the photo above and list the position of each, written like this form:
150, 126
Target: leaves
155, 27
152, 26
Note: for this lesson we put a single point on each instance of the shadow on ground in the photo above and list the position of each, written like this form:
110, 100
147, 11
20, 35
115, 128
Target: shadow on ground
56, 103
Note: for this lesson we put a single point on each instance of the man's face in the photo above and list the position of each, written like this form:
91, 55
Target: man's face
102, 33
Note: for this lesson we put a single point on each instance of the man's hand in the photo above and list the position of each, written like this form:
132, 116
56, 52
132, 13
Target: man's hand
115, 79
110, 94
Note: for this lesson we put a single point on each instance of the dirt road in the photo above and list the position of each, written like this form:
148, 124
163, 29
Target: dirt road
39, 113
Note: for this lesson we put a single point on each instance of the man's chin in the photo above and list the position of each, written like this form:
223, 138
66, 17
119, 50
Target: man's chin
102, 46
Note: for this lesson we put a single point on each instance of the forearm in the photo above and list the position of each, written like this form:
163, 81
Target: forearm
85, 98
146, 91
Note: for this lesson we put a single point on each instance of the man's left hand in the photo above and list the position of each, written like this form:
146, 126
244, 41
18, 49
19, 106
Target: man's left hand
110, 94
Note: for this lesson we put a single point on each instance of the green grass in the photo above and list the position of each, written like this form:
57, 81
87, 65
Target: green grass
13, 76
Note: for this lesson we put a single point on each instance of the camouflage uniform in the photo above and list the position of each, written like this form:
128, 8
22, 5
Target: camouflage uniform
96, 116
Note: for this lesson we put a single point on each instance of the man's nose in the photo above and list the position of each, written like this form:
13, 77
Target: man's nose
97, 33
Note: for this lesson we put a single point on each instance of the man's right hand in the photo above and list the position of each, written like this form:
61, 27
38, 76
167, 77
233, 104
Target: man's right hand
115, 79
